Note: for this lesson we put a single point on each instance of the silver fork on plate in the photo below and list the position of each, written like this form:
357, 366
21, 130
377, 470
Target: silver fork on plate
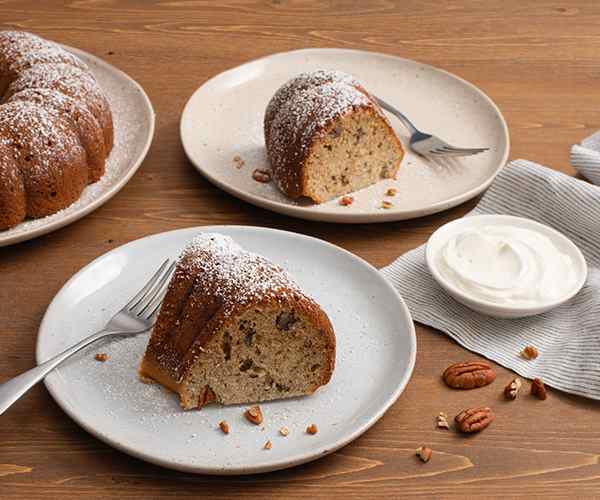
427, 144
138, 316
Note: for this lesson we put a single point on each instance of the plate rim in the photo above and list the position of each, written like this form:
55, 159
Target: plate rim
113, 190
293, 459
345, 218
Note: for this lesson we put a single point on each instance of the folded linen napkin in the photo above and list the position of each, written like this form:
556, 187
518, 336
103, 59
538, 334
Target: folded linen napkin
568, 337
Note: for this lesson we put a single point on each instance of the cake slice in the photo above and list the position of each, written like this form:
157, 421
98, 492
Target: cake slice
235, 328
326, 137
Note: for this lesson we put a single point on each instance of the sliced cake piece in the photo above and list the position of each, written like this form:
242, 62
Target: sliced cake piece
235, 328
326, 137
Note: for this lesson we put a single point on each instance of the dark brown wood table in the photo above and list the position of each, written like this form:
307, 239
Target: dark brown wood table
540, 62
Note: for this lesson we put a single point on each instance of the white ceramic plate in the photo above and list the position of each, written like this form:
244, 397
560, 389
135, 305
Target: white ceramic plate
375, 358
224, 119
133, 118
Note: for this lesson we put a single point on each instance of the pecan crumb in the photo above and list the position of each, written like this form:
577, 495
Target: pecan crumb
224, 426
424, 453
101, 356
386, 204
268, 445
512, 389
391, 192
538, 389
529, 352
442, 421
263, 176
312, 429
238, 162
254, 415
346, 200
284, 431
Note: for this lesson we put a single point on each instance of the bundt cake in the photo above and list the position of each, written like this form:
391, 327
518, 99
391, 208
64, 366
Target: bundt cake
56, 128
326, 137
235, 328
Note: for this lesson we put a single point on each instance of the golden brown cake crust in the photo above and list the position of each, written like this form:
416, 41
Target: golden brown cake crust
56, 128
303, 110
215, 282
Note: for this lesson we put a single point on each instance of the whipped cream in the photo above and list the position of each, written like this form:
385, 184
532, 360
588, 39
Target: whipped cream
507, 265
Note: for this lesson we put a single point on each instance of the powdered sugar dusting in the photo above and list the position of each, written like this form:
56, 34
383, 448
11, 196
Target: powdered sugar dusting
236, 275
132, 125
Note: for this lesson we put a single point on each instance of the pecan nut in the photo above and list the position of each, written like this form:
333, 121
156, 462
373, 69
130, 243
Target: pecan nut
469, 375
474, 419
512, 389
424, 453
538, 389
254, 415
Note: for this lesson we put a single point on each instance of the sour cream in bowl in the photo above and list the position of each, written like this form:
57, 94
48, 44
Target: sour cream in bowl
505, 266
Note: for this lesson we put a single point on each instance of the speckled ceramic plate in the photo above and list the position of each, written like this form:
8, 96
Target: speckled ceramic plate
375, 357
133, 118
224, 119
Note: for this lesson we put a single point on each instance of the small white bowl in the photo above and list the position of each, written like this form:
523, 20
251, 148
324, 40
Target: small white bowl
443, 234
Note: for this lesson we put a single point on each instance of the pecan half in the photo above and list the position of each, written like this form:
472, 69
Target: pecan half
469, 375
538, 389
474, 419
512, 389
254, 415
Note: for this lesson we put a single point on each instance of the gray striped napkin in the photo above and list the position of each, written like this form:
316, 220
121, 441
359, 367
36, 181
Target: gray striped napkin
568, 337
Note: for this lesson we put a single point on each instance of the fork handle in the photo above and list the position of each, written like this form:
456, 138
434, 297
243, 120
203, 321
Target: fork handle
398, 114
14, 388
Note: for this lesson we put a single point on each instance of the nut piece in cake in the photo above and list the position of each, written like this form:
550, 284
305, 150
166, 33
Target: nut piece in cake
326, 137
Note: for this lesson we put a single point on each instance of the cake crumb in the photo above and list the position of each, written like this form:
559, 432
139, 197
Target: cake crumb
101, 356
224, 426
391, 192
312, 429
146, 380
284, 431
346, 200
260, 175
238, 161
268, 445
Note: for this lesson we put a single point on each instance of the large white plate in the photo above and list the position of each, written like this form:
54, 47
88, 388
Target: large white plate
133, 118
224, 118
375, 357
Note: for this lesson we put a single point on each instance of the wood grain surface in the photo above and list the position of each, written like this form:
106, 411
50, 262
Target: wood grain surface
540, 62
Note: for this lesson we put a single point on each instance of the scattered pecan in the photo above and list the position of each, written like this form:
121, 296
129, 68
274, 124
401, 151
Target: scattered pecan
101, 356
386, 204
254, 415
529, 352
268, 445
260, 175
391, 192
469, 375
538, 389
346, 200
512, 389
424, 453
284, 431
312, 429
442, 421
224, 426
474, 419
239, 163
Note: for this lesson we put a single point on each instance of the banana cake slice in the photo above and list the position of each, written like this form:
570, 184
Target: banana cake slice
235, 328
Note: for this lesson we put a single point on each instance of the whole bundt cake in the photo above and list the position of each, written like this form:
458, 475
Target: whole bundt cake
56, 128
326, 137
235, 328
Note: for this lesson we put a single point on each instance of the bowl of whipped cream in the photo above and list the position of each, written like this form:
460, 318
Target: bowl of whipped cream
505, 266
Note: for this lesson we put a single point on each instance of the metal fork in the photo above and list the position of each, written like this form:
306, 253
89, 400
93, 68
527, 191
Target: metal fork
138, 316
427, 144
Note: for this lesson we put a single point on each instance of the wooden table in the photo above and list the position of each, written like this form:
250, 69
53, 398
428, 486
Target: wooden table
540, 62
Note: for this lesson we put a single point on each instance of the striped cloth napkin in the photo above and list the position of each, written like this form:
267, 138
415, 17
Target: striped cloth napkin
568, 337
